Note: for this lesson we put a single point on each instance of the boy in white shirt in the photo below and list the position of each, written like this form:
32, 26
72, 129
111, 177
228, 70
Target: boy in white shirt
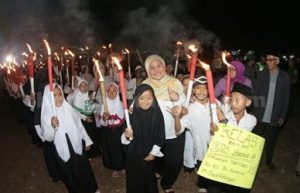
237, 116
198, 120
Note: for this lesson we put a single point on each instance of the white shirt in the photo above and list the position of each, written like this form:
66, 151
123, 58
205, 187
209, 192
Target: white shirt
198, 121
247, 122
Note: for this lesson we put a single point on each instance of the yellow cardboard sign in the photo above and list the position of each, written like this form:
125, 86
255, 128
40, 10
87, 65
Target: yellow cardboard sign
233, 156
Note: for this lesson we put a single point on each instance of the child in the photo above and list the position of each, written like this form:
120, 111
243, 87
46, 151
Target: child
148, 135
237, 116
113, 123
188, 154
198, 120
82, 104
67, 132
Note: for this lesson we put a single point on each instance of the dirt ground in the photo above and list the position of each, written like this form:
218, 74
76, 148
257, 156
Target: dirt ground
22, 167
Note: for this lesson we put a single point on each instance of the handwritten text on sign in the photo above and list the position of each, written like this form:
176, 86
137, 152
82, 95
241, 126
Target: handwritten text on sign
233, 156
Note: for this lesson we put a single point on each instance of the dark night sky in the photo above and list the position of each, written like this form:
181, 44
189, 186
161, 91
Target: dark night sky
237, 24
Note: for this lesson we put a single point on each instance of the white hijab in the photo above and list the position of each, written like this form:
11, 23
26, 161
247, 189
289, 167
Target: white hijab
69, 123
115, 106
80, 98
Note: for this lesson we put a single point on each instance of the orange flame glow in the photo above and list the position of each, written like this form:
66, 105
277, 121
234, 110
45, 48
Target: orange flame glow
204, 65
101, 79
69, 52
178, 43
127, 51
224, 54
193, 48
29, 48
116, 61
56, 55
25, 54
48, 47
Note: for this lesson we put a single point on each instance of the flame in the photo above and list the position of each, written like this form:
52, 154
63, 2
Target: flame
109, 45
48, 47
86, 47
178, 43
204, 65
98, 53
189, 56
193, 48
127, 51
224, 54
1, 66
62, 48
29, 48
25, 54
104, 47
56, 55
101, 79
9, 58
69, 52
116, 61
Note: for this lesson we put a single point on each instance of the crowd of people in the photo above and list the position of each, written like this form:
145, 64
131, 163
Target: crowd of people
165, 135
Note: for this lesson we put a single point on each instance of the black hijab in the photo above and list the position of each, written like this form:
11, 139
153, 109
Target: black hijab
148, 125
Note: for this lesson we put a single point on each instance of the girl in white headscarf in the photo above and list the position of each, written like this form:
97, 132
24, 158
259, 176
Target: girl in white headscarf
70, 140
83, 105
113, 126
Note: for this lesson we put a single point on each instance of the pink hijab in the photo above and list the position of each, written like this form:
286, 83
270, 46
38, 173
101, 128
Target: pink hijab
240, 70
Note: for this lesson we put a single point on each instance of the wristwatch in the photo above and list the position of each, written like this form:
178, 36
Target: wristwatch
224, 121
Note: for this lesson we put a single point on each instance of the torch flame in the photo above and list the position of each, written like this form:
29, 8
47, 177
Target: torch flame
104, 47
69, 52
25, 54
9, 58
86, 47
127, 51
98, 53
204, 65
56, 55
224, 54
178, 43
189, 56
29, 48
116, 61
109, 45
101, 79
48, 47
193, 48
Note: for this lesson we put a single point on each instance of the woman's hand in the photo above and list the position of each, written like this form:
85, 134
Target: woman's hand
174, 96
176, 111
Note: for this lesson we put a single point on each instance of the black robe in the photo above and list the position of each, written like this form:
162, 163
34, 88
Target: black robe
148, 130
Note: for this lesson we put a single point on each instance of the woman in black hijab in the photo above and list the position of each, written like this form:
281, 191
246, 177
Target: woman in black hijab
144, 140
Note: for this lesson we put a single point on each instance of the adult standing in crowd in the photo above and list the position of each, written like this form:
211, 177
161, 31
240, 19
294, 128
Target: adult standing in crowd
273, 88
169, 92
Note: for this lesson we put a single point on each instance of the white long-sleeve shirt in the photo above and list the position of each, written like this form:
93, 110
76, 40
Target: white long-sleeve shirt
198, 122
